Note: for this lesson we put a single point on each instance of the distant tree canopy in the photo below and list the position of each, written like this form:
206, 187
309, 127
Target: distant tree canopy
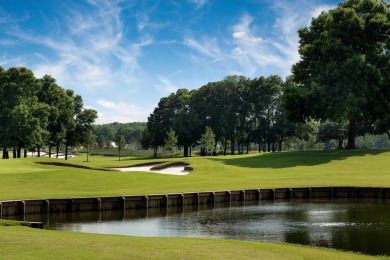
37, 112
238, 110
344, 71
106, 133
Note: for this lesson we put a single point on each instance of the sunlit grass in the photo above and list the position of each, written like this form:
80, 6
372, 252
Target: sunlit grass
26, 243
24, 178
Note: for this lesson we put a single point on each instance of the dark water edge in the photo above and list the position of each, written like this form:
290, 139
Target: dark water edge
359, 225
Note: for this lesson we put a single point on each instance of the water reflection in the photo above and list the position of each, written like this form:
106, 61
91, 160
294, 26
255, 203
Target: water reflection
355, 225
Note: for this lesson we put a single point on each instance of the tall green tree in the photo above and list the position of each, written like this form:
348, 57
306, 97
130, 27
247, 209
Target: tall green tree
344, 66
208, 141
69, 117
55, 97
171, 140
120, 144
23, 117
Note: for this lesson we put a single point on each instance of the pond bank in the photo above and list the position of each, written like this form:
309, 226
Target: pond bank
35, 206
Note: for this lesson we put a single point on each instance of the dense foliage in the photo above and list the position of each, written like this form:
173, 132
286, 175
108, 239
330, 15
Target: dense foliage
37, 112
237, 110
106, 134
344, 71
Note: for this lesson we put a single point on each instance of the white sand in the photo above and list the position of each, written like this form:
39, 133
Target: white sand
174, 170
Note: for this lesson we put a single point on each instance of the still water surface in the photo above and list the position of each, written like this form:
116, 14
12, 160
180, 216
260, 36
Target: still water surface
361, 226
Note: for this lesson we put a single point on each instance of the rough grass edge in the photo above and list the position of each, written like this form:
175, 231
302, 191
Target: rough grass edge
8, 223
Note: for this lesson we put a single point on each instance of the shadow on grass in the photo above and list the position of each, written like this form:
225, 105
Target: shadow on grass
291, 159
73, 165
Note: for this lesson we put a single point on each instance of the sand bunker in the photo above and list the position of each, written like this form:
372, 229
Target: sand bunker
174, 169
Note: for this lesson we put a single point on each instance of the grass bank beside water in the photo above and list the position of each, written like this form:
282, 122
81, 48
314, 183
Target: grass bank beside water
18, 242
26, 179
57, 178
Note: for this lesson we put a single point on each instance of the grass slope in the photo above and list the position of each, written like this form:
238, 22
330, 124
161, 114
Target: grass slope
26, 243
24, 178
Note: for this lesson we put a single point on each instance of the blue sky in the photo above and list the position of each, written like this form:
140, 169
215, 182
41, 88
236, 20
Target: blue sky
123, 56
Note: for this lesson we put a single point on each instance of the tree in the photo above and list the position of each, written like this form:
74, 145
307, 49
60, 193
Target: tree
344, 66
23, 118
55, 97
208, 141
90, 141
120, 144
71, 119
171, 140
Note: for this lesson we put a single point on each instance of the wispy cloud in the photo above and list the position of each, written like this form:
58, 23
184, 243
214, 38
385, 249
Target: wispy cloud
255, 52
207, 46
198, 3
111, 111
166, 86
88, 46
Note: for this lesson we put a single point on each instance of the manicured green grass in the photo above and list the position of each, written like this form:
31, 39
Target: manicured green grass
26, 243
24, 178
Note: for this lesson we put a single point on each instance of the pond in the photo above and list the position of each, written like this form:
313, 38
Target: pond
353, 225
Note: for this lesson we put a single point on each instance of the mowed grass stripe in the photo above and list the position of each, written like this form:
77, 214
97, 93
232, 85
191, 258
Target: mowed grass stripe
25, 179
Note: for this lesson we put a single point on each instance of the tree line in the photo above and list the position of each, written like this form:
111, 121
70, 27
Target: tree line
238, 110
38, 112
341, 82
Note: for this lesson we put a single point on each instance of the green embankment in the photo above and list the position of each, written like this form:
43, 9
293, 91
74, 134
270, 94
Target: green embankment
26, 179
27, 243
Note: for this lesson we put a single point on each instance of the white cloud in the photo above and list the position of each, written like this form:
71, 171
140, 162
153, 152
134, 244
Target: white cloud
112, 111
198, 3
254, 52
90, 49
166, 86
206, 46
239, 35
243, 32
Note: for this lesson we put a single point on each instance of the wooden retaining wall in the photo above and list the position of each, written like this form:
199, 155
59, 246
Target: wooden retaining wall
22, 207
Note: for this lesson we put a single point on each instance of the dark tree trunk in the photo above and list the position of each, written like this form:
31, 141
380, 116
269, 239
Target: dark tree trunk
388, 133
14, 153
351, 134
185, 150
232, 141
57, 150
18, 152
341, 140
50, 150
66, 152
269, 146
39, 151
190, 151
280, 147
5, 153
225, 147
25, 153
154, 151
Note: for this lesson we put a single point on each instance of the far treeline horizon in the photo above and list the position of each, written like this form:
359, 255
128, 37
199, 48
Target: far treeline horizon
341, 83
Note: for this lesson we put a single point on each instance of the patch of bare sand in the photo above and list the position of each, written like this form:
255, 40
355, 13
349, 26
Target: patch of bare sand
174, 169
